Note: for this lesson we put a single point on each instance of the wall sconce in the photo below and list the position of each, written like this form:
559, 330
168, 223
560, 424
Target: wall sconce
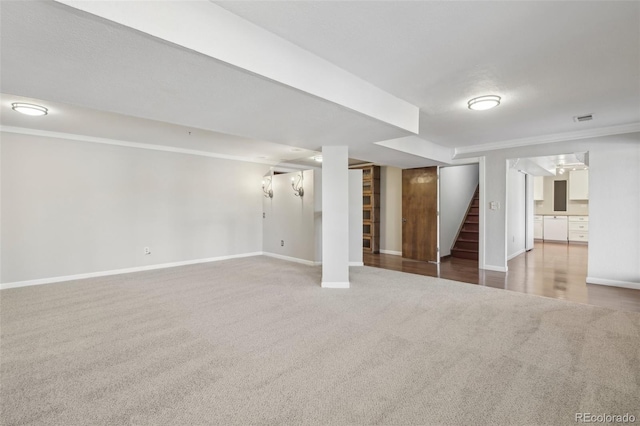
266, 187
296, 184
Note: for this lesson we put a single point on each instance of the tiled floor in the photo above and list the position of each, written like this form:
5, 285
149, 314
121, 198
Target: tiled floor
550, 269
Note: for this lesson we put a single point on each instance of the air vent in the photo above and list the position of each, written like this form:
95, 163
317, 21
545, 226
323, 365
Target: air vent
581, 118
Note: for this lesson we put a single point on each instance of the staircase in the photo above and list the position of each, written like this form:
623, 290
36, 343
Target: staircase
466, 245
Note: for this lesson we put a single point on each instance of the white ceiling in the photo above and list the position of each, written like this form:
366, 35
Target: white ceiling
548, 60
550, 165
65, 119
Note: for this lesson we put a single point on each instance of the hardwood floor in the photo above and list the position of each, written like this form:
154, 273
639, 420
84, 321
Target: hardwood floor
550, 269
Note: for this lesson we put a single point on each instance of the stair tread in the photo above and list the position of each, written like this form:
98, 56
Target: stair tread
467, 240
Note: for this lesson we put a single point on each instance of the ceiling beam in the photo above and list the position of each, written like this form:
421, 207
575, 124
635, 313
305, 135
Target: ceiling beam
211, 30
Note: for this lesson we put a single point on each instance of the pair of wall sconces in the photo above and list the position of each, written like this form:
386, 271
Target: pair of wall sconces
296, 184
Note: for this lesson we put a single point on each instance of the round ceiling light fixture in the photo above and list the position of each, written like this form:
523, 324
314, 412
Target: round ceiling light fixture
484, 102
29, 109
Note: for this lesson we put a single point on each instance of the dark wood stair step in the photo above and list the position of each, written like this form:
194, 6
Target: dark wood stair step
468, 236
466, 245
464, 254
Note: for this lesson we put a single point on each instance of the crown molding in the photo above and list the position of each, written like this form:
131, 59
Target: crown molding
128, 144
540, 140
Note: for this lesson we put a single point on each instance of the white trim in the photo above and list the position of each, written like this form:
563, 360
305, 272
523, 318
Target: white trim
482, 212
505, 200
518, 253
556, 137
463, 161
613, 283
152, 147
53, 280
291, 259
335, 284
355, 263
495, 268
393, 252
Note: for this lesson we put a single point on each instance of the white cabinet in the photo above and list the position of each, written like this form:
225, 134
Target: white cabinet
579, 228
538, 188
537, 227
555, 228
579, 185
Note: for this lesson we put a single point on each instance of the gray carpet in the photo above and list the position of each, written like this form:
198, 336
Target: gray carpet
257, 341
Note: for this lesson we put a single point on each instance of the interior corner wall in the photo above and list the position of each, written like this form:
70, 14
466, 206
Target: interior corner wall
516, 213
457, 186
391, 210
289, 222
73, 207
614, 203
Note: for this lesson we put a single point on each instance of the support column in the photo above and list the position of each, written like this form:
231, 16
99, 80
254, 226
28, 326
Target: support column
335, 217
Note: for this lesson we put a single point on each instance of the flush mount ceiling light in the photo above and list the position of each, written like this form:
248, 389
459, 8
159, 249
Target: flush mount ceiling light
29, 109
484, 102
318, 158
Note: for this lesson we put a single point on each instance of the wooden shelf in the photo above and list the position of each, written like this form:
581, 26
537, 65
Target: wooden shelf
370, 208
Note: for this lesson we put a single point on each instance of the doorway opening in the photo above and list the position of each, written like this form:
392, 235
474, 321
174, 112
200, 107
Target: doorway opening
460, 212
548, 206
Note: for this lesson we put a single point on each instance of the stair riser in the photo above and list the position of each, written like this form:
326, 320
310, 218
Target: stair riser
470, 227
469, 236
464, 255
475, 210
467, 245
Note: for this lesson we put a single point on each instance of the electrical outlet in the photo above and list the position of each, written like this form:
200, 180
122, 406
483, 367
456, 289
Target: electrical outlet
281, 243
147, 250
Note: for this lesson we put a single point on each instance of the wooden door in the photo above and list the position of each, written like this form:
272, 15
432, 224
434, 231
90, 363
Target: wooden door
420, 214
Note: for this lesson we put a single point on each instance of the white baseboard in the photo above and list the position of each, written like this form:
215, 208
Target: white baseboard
121, 271
335, 284
518, 253
494, 268
304, 261
395, 253
292, 259
613, 283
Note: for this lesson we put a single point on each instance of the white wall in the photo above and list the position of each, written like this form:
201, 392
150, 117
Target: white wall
529, 241
298, 221
516, 213
614, 204
457, 186
290, 218
71, 207
391, 210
